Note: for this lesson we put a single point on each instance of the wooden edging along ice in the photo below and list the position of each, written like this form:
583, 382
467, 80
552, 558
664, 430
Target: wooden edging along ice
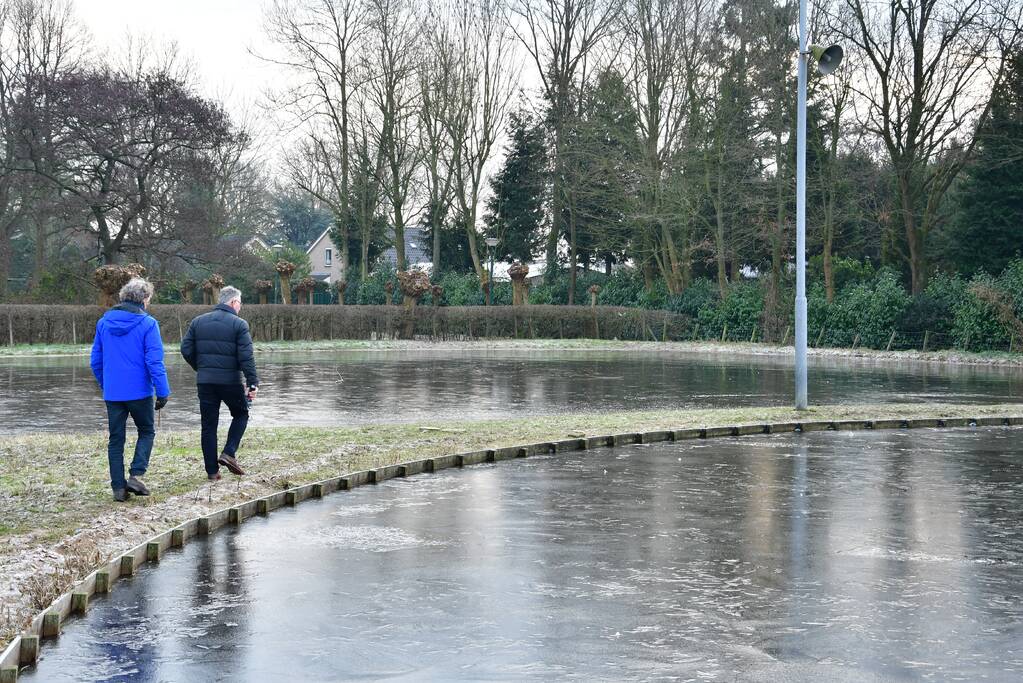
24, 649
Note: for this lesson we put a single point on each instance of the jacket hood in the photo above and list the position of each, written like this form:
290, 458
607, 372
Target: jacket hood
124, 318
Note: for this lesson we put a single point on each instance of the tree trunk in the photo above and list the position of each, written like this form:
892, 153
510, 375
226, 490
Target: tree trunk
573, 257
435, 226
474, 252
344, 250
364, 258
829, 276
5, 263
285, 289
520, 292
772, 314
399, 238
675, 274
648, 276
39, 265
719, 240
557, 187
914, 239
829, 211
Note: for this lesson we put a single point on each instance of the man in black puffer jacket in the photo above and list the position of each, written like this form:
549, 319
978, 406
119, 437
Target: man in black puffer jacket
218, 346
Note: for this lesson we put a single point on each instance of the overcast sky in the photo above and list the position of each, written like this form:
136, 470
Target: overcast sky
214, 34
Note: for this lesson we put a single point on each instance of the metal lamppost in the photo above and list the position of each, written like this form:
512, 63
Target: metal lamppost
276, 249
491, 243
827, 61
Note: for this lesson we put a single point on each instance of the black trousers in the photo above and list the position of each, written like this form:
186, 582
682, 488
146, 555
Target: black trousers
210, 398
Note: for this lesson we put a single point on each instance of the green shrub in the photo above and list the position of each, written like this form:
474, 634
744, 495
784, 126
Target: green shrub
870, 310
1011, 282
846, 271
934, 310
461, 289
976, 325
700, 294
740, 310
372, 292
623, 288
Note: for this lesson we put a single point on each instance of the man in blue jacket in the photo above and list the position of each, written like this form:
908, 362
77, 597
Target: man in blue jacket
127, 359
218, 346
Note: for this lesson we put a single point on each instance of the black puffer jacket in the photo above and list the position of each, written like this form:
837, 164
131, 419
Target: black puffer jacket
218, 346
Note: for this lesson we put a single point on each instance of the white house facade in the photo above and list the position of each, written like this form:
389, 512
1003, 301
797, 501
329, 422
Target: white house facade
325, 259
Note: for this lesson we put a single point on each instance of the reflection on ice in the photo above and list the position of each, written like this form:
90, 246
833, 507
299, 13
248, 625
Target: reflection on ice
302, 388
887, 555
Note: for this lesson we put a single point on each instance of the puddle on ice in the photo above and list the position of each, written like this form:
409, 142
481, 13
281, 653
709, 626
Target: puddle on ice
360, 510
377, 539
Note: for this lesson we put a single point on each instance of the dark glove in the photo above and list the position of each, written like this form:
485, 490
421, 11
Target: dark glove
161, 401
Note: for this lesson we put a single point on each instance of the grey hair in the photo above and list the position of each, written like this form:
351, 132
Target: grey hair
137, 291
229, 294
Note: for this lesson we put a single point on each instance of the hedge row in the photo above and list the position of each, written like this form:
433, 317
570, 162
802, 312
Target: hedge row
33, 324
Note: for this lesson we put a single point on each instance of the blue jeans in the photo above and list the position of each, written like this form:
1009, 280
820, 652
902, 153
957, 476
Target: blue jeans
210, 398
144, 416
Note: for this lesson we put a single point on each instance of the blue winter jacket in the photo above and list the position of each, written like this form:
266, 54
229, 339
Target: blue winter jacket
127, 355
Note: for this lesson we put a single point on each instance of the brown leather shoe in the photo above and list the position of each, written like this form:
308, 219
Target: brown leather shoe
214, 477
231, 463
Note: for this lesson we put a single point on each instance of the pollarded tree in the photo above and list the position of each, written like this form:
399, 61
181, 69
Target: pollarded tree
285, 269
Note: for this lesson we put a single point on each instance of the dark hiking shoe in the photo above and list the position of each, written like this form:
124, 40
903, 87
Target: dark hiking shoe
231, 463
120, 495
214, 477
136, 486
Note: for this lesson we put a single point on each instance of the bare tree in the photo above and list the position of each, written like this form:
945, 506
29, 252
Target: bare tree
115, 133
729, 138
836, 133
483, 89
929, 68
368, 169
321, 39
558, 35
393, 60
668, 41
39, 42
438, 76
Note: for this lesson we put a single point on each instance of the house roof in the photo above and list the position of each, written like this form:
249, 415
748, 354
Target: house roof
245, 241
415, 248
316, 241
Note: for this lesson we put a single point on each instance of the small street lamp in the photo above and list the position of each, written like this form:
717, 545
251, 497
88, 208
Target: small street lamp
276, 249
491, 243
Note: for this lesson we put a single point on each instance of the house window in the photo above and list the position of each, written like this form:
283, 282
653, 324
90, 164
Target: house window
328, 256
